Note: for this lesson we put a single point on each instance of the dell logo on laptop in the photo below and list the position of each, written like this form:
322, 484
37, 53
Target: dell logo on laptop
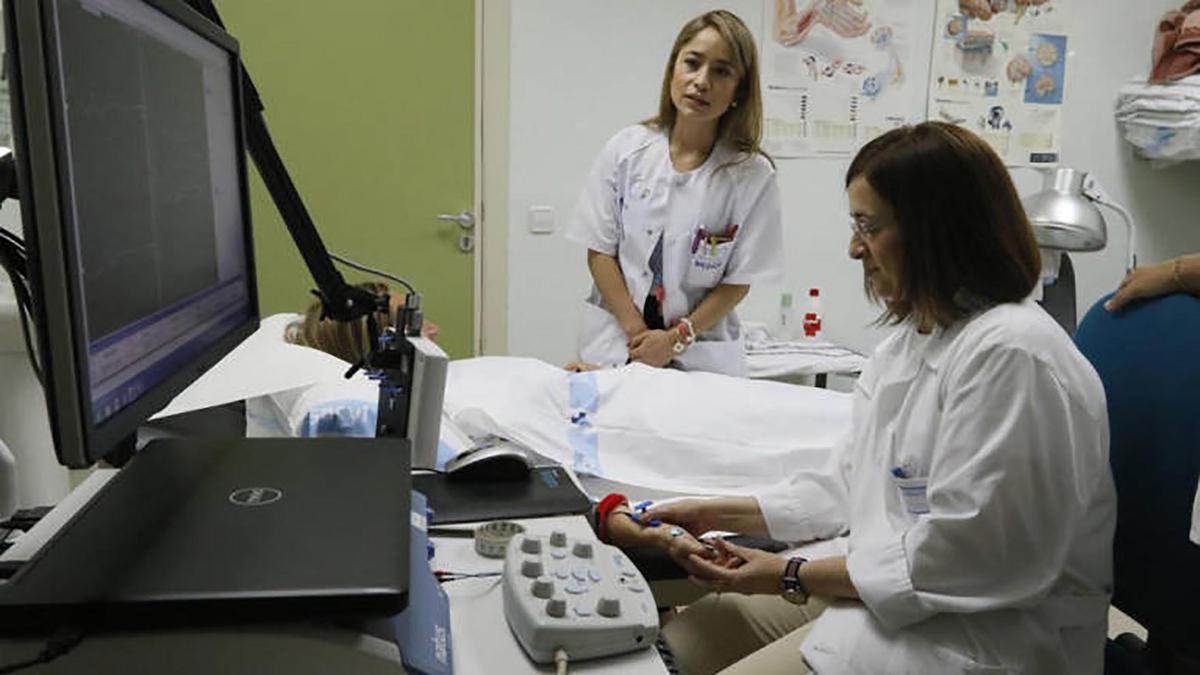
255, 496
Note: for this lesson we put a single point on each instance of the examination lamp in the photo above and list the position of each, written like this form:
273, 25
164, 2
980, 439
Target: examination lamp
1064, 215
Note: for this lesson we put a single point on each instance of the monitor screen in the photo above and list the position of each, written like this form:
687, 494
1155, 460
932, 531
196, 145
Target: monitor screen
132, 181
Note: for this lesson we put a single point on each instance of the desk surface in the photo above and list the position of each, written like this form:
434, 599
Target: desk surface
482, 642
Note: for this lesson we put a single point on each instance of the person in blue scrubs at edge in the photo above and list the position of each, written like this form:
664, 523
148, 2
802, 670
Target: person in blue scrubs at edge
973, 484
680, 214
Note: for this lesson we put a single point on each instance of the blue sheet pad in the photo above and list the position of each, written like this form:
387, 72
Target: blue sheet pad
584, 398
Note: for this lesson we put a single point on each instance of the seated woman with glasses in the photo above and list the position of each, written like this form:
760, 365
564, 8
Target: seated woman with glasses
974, 483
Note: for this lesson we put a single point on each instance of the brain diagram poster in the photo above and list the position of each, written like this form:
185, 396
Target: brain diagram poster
1000, 69
837, 73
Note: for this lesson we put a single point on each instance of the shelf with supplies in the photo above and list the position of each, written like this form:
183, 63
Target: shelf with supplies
1161, 120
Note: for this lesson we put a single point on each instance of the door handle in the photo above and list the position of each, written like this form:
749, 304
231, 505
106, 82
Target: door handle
465, 219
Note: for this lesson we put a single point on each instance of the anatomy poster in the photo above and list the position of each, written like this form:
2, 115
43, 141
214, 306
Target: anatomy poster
999, 69
837, 73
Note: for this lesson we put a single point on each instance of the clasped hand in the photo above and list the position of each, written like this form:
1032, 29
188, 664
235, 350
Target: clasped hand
652, 347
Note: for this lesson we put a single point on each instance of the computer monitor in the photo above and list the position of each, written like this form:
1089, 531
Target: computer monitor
130, 160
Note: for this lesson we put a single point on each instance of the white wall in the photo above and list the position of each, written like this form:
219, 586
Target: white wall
24, 425
581, 69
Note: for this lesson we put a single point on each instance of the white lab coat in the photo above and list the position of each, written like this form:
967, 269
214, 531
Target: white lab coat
995, 554
633, 196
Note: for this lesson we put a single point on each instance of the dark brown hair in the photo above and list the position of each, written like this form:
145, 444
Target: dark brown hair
965, 241
741, 125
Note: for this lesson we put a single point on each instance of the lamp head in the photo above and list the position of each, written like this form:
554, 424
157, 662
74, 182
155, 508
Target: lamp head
1063, 217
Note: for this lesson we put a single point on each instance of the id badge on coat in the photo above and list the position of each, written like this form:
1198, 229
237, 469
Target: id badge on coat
710, 253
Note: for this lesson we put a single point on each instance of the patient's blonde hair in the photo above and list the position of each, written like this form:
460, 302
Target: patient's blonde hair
347, 340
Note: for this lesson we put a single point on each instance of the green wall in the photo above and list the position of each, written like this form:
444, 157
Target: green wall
370, 103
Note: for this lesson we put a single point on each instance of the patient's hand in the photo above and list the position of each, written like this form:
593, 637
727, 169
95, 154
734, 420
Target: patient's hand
430, 330
581, 366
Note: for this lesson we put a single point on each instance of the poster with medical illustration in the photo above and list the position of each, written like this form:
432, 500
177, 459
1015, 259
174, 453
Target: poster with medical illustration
999, 69
837, 73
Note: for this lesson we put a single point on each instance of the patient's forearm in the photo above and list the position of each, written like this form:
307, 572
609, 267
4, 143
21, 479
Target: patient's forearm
700, 515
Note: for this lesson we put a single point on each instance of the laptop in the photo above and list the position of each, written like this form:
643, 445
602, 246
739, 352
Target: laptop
213, 532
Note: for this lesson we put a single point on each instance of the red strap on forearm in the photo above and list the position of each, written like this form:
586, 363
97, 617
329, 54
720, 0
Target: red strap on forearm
605, 507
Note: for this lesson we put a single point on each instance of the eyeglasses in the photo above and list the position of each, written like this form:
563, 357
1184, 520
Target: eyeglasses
864, 228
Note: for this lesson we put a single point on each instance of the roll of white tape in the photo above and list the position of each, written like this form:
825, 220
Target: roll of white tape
491, 539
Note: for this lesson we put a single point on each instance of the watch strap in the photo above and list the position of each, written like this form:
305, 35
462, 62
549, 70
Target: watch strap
791, 585
685, 335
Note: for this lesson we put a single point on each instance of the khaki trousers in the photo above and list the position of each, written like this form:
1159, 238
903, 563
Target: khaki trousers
742, 635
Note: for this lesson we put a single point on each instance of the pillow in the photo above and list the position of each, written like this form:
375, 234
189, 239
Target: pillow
262, 364
341, 407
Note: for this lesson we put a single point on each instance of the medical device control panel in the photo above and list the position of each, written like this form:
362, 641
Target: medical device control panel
578, 595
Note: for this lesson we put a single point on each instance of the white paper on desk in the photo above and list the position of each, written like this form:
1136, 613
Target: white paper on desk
262, 364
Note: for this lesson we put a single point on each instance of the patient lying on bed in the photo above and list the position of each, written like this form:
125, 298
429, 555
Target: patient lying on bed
649, 430
664, 430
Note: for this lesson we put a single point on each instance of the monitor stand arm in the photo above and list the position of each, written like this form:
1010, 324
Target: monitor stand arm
390, 360
8, 175
122, 452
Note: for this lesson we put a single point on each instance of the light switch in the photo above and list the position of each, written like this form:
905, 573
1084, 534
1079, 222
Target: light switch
541, 219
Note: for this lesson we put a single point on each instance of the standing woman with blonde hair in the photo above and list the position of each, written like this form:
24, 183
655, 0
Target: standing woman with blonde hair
680, 213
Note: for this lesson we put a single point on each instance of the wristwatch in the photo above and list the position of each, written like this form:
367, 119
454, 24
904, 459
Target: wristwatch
679, 347
793, 589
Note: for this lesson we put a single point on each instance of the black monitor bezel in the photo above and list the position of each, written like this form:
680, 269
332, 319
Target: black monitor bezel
79, 443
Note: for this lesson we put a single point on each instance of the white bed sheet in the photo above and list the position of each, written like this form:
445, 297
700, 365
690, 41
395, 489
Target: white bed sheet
662, 429
658, 428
